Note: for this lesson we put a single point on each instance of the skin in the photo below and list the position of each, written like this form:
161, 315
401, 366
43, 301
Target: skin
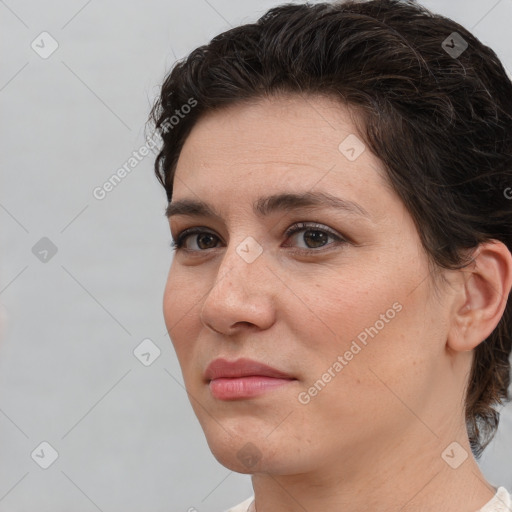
373, 437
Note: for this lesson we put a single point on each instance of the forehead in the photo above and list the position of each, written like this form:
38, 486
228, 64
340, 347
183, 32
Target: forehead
271, 127
267, 145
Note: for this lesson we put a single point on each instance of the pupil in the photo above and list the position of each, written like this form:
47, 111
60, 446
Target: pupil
202, 238
316, 237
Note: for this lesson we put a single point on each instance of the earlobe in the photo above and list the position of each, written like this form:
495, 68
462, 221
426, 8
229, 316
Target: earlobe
482, 297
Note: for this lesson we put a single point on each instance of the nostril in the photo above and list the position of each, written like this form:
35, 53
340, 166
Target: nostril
248, 324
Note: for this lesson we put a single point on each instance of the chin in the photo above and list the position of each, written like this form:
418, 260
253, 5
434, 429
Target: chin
251, 453
242, 457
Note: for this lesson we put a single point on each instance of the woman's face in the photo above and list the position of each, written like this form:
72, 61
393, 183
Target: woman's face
344, 305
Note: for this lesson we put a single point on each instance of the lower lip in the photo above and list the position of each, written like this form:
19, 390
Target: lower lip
244, 387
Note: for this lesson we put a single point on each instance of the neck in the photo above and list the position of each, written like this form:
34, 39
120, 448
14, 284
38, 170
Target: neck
409, 477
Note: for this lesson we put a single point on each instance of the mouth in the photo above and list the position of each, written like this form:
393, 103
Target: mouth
244, 387
243, 378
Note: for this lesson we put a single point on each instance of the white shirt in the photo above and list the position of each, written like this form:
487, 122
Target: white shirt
242, 507
501, 502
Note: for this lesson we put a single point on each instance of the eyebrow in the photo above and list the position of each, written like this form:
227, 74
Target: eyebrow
264, 206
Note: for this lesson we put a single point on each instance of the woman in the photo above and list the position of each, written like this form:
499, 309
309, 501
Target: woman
337, 179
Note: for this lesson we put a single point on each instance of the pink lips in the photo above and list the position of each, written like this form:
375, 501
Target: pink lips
243, 378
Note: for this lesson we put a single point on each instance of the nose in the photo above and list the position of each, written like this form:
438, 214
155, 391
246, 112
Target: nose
241, 297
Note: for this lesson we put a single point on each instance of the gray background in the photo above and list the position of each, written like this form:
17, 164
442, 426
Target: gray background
126, 436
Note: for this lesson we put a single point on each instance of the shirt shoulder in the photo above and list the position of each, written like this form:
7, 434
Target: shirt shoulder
242, 507
501, 502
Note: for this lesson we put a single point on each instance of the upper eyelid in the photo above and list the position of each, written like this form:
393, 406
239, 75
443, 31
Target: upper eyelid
304, 226
296, 225
293, 229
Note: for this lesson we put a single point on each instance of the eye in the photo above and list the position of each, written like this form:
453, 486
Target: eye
201, 239
314, 235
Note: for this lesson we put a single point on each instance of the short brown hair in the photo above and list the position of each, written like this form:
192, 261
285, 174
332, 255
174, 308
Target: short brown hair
439, 120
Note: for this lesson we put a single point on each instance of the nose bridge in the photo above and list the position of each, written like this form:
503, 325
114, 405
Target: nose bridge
239, 293
242, 262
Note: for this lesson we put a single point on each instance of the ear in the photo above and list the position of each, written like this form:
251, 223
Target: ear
482, 297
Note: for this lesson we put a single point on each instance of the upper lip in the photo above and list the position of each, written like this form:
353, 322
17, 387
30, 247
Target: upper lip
241, 368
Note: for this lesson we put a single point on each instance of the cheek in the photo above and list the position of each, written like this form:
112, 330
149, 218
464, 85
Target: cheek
381, 331
181, 303
343, 305
183, 292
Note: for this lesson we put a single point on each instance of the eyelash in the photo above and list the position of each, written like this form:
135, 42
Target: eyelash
178, 244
